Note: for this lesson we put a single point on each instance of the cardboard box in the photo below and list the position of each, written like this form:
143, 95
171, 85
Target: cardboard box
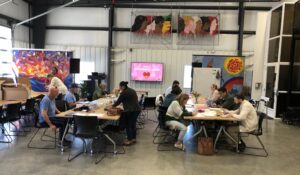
15, 92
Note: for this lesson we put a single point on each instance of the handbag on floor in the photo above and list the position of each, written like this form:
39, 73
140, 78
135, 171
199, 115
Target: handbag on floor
205, 146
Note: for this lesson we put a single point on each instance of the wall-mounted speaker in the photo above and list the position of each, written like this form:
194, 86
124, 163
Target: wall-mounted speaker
74, 65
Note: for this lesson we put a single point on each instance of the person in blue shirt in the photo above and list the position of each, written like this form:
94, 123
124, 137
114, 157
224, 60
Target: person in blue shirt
172, 96
47, 114
70, 96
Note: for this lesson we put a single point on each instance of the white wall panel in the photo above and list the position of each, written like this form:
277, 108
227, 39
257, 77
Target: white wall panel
69, 16
81, 38
19, 10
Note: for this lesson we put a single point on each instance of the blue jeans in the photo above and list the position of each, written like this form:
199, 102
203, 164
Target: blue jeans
129, 119
60, 123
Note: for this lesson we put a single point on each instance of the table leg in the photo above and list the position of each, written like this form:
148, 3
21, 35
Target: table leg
201, 129
222, 129
113, 142
65, 133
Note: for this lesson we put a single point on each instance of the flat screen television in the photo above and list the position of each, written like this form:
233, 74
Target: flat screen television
146, 71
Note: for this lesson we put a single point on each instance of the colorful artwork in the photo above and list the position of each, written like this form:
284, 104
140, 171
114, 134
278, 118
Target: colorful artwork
37, 64
198, 25
232, 76
152, 25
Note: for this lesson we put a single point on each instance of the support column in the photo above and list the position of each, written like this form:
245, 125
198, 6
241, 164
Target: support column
241, 28
110, 45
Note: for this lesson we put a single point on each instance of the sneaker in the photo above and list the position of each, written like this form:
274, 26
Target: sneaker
133, 141
127, 143
179, 146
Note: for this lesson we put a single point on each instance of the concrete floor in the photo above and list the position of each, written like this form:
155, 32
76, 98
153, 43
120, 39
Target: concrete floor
282, 142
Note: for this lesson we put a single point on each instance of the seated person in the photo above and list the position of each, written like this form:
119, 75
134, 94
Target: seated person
100, 92
172, 96
70, 97
214, 96
174, 118
47, 114
226, 101
246, 114
56, 82
169, 89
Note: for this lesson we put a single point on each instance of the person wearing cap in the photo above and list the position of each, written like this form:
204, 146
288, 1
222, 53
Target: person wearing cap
70, 96
169, 89
129, 99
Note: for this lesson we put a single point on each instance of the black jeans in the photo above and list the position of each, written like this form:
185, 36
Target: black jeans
60, 123
128, 120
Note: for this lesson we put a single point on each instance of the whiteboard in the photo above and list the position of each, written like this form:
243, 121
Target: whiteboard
203, 78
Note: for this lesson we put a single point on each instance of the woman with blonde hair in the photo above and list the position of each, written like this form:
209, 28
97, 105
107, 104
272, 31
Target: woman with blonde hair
174, 118
214, 96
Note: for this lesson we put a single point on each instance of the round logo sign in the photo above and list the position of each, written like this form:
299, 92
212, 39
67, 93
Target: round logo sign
234, 65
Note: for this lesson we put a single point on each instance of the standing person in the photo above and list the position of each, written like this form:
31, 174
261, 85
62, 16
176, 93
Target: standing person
70, 96
246, 114
129, 99
174, 118
47, 114
214, 96
56, 82
169, 89
100, 91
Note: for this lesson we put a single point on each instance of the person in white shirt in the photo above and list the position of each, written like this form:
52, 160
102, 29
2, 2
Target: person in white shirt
56, 82
214, 96
247, 116
174, 118
169, 89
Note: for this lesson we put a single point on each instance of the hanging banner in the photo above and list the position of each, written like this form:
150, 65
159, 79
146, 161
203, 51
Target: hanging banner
151, 29
198, 29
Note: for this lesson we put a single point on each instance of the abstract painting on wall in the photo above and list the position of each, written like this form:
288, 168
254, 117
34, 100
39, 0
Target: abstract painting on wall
198, 29
151, 28
37, 64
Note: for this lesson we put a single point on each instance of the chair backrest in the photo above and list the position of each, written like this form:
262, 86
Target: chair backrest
261, 117
13, 111
149, 102
85, 126
29, 105
61, 105
162, 116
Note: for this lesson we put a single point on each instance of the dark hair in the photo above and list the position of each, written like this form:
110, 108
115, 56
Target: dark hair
240, 96
181, 25
175, 82
123, 84
176, 90
158, 19
214, 86
222, 89
138, 23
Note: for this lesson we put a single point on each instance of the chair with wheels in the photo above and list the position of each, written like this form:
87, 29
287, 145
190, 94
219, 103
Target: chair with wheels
85, 128
257, 133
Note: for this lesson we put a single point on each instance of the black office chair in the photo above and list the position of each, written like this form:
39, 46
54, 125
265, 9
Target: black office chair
85, 127
45, 142
61, 105
149, 105
257, 133
3, 129
28, 111
160, 128
12, 114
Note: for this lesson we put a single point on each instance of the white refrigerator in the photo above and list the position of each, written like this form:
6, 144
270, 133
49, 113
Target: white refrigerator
203, 78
